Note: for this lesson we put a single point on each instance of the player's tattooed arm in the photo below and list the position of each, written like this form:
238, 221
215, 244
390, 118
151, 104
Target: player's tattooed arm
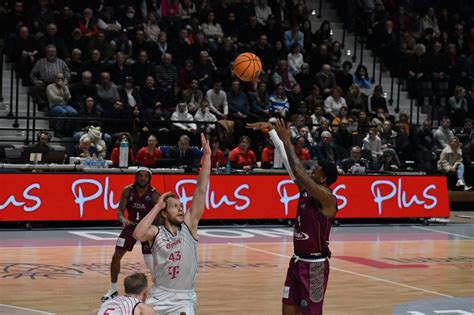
122, 206
302, 178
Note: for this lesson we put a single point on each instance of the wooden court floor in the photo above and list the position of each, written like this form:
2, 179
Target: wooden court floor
369, 275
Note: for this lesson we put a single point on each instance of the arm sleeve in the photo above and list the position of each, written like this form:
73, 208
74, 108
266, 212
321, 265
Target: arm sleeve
279, 146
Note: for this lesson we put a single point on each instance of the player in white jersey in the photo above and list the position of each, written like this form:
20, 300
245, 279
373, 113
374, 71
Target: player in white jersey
174, 245
132, 303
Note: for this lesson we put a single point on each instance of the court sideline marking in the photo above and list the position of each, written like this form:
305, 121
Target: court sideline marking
350, 272
5, 306
442, 232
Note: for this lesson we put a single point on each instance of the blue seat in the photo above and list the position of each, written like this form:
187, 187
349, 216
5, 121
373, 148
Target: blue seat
197, 152
165, 151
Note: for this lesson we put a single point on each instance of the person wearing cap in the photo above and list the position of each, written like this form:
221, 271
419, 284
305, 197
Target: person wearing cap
138, 198
308, 271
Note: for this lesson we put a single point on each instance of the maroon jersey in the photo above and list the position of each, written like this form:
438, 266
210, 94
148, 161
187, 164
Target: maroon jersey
139, 206
311, 232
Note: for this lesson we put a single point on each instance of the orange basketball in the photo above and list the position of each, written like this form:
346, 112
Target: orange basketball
247, 66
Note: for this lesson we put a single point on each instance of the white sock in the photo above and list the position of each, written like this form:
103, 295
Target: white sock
113, 287
149, 262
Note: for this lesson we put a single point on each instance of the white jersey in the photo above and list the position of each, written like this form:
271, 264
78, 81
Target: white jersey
121, 305
175, 259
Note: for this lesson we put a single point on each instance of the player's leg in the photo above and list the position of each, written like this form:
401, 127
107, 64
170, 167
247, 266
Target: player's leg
313, 279
291, 292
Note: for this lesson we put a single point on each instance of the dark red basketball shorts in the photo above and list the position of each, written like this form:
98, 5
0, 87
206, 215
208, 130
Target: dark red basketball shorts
305, 285
126, 241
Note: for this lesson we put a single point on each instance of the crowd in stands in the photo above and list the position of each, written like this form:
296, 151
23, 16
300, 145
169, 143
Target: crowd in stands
158, 73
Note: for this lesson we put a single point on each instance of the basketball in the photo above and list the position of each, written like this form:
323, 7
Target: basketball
247, 66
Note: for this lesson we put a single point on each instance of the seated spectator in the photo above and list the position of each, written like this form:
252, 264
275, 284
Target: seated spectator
217, 156
423, 146
44, 73
323, 35
377, 100
442, 135
268, 154
388, 163
342, 115
279, 105
105, 51
157, 124
343, 139
361, 78
151, 96
283, 76
75, 65
181, 114
107, 92
293, 36
389, 139
380, 117
119, 70
362, 123
239, 108
296, 100
305, 79
336, 55
95, 65
326, 80
141, 69
213, 31
218, 100
334, 102
466, 134
205, 70
450, 162
149, 155
115, 155
43, 138
325, 149
260, 102
123, 44
300, 148
468, 153
89, 114
25, 53
356, 101
373, 144
182, 153
355, 163
186, 74
204, 114
193, 96
83, 149
457, 106
344, 78
242, 157
118, 119
108, 23
53, 38
130, 94
58, 96
314, 99
295, 60
166, 73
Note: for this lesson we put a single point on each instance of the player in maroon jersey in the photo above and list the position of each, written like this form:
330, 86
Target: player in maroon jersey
138, 198
308, 272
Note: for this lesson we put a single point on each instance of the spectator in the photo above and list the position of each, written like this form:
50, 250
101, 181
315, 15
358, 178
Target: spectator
157, 124
44, 73
373, 144
118, 119
218, 100
325, 149
129, 94
326, 80
107, 92
457, 106
417, 82
466, 134
181, 114
323, 35
213, 31
58, 96
388, 138
263, 12
388, 162
149, 155
42, 144
83, 89
296, 100
150, 96
293, 36
355, 163
187, 73
377, 100
182, 153
295, 60
88, 24
83, 149
260, 102
356, 101
336, 55
119, 70
141, 69
38, 17
89, 114
279, 105
186, 9
115, 155
75, 65
53, 38
305, 79
468, 153
205, 70
99, 43
95, 65
108, 24
217, 156
363, 124
344, 78
122, 44
204, 114
450, 162
309, 42
361, 77
442, 135
181, 48
429, 20
283, 76
317, 118
193, 97
300, 148
423, 145
24, 53
242, 157
343, 139
151, 27
250, 33
314, 99
334, 102
130, 21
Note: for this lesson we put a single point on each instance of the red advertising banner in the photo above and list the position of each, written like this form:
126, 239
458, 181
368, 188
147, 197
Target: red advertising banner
83, 197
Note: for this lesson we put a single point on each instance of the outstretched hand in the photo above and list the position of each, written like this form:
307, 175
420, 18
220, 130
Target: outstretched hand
261, 125
205, 145
283, 131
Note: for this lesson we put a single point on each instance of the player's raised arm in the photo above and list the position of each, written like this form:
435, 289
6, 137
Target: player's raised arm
145, 230
194, 214
303, 179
